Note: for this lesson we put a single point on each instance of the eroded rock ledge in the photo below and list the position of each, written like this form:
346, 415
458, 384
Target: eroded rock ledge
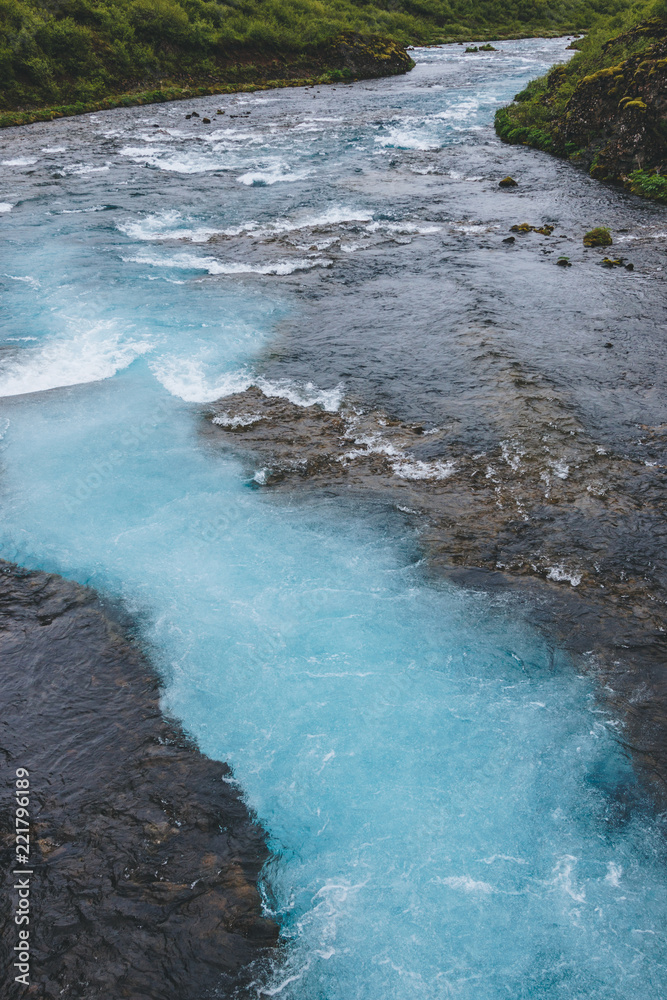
547, 512
146, 857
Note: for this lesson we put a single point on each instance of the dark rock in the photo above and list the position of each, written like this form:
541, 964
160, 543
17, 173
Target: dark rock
617, 117
564, 262
206, 121
195, 114
609, 262
366, 56
510, 239
146, 858
507, 182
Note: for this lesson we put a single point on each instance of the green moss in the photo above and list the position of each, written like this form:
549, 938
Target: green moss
598, 237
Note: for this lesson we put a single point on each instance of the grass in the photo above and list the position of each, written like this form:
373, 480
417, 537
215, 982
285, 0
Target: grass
536, 117
60, 56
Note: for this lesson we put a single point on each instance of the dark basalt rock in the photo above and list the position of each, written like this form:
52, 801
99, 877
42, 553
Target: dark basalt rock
146, 858
362, 57
618, 116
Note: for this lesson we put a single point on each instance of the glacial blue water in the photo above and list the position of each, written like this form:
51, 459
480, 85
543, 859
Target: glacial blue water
449, 807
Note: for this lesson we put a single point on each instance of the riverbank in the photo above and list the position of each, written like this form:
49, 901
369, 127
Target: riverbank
144, 858
412, 748
345, 59
604, 111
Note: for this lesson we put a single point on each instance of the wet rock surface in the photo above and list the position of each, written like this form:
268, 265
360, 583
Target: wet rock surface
146, 858
570, 527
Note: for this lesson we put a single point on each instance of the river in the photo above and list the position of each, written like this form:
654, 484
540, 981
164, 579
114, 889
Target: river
450, 808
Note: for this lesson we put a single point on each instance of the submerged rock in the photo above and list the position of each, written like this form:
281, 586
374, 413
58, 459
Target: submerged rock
146, 858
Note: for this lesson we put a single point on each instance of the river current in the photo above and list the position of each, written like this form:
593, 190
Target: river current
449, 806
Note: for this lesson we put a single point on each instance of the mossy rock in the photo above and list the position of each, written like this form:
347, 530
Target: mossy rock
507, 182
524, 227
635, 106
598, 237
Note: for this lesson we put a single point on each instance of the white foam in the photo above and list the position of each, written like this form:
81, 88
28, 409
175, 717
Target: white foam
81, 169
460, 112
242, 420
274, 175
614, 872
20, 161
188, 379
400, 137
92, 354
171, 225
180, 163
5, 206
165, 226
560, 574
214, 266
402, 464
33, 282
82, 211
403, 228
413, 469
560, 468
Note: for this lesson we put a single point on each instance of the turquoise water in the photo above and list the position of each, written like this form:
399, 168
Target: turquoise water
449, 809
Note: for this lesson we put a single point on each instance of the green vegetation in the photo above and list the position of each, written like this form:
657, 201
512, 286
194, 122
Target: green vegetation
598, 237
70, 54
648, 185
604, 108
